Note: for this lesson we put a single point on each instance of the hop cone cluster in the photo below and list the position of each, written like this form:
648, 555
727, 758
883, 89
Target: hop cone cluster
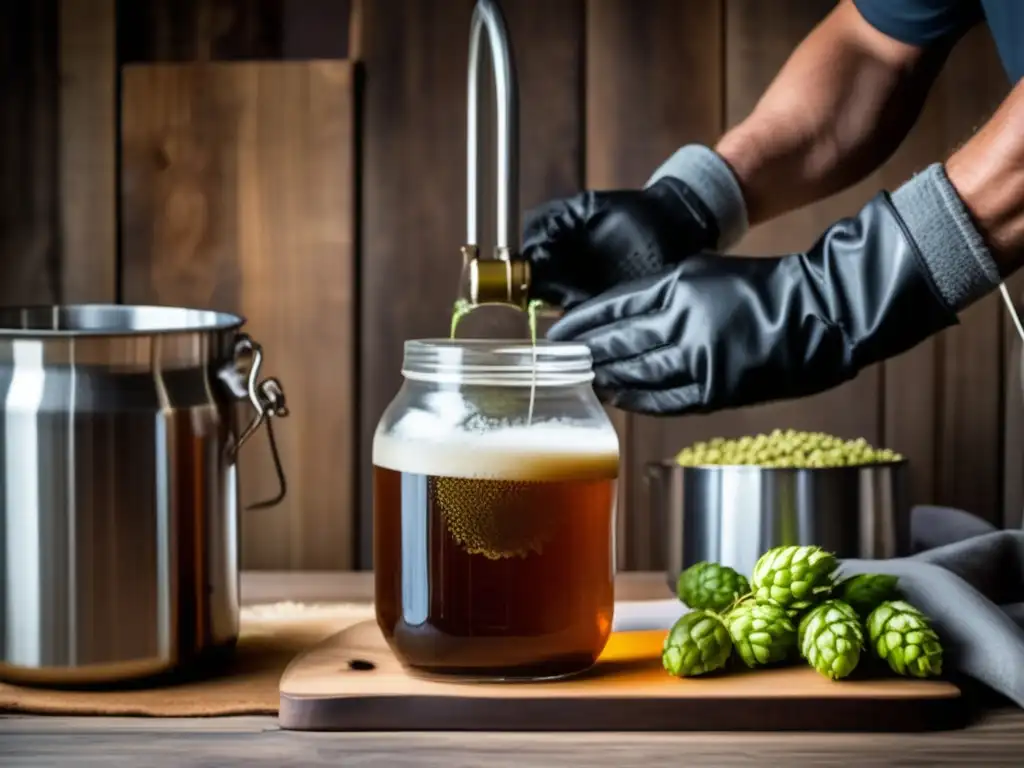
710, 586
698, 643
793, 577
866, 591
795, 606
832, 638
762, 634
903, 637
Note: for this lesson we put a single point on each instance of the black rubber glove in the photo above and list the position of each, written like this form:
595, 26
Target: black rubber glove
726, 331
579, 247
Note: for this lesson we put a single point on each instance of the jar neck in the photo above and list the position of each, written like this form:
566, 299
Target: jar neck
497, 363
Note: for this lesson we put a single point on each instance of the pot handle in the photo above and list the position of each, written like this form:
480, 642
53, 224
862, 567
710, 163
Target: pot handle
267, 399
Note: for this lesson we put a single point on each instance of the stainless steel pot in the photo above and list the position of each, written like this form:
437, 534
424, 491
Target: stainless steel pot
119, 522
731, 515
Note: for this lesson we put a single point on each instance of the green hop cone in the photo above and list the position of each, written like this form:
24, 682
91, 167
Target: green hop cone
762, 634
901, 635
697, 644
793, 577
831, 639
710, 586
866, 591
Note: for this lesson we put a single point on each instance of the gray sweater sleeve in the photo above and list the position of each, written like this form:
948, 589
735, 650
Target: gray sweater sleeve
705, 172
956, 254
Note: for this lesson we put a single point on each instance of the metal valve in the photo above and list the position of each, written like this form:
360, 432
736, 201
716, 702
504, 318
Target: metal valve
505, 278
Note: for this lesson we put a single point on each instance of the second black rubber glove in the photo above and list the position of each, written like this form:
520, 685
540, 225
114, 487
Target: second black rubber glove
727, 331
583, 245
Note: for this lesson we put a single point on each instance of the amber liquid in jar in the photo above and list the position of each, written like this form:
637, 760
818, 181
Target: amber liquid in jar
496, 560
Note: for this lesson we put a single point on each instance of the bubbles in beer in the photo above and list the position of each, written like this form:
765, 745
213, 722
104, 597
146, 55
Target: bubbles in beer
493, 518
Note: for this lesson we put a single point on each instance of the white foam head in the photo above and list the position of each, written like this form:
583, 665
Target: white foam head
550, 450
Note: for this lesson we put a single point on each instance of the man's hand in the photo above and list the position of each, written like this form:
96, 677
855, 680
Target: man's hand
722, 332
581, 246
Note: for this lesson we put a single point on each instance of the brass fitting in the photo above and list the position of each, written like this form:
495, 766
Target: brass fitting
502, 280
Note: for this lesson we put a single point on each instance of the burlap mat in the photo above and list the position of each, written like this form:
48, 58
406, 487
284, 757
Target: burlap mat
271, 636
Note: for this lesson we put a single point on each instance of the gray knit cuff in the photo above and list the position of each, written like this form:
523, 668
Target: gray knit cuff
961, 266
709, 176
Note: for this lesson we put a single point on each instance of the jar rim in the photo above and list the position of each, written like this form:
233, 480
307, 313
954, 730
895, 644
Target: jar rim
498, 362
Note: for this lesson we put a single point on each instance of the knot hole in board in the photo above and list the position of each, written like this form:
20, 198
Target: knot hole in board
361, 665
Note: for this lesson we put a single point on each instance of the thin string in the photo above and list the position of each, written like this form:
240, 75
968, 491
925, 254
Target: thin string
1012, 309
531, 316
463, 307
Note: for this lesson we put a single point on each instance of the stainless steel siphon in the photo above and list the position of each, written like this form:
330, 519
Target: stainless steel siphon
732, 514
504, 278
119, 506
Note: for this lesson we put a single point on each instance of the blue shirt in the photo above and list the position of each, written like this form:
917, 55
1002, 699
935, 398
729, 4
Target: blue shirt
923, 22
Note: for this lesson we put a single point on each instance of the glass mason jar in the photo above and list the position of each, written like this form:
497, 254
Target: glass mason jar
494, 485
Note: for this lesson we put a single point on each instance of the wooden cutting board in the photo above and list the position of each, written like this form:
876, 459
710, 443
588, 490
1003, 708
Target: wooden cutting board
352, 681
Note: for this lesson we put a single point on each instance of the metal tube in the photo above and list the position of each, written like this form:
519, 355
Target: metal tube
487, 15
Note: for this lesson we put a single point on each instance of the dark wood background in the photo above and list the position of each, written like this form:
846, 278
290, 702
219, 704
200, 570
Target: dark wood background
302, 161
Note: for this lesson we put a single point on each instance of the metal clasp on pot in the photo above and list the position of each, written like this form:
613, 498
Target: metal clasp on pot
267, 398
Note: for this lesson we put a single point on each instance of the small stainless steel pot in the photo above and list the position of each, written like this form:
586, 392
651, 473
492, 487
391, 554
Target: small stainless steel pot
119, 488
731, 515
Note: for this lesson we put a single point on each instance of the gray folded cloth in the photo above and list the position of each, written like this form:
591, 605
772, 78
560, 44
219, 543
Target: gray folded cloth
968, 577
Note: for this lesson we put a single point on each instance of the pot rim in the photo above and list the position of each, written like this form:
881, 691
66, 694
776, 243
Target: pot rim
108, 320
671, 464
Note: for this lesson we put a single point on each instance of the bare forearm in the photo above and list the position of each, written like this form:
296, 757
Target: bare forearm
988, 174
839, 107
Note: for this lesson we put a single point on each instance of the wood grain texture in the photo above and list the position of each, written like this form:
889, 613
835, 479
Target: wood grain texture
413, 175
639, 110
238, 194
88, 149
30, 242
203, 30
352, 681
233, 30
248, 742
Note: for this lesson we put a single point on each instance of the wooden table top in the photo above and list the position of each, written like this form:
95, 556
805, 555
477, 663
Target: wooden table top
997, 738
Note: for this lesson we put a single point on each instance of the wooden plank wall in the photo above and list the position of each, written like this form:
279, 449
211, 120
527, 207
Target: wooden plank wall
238, 192
608, 89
